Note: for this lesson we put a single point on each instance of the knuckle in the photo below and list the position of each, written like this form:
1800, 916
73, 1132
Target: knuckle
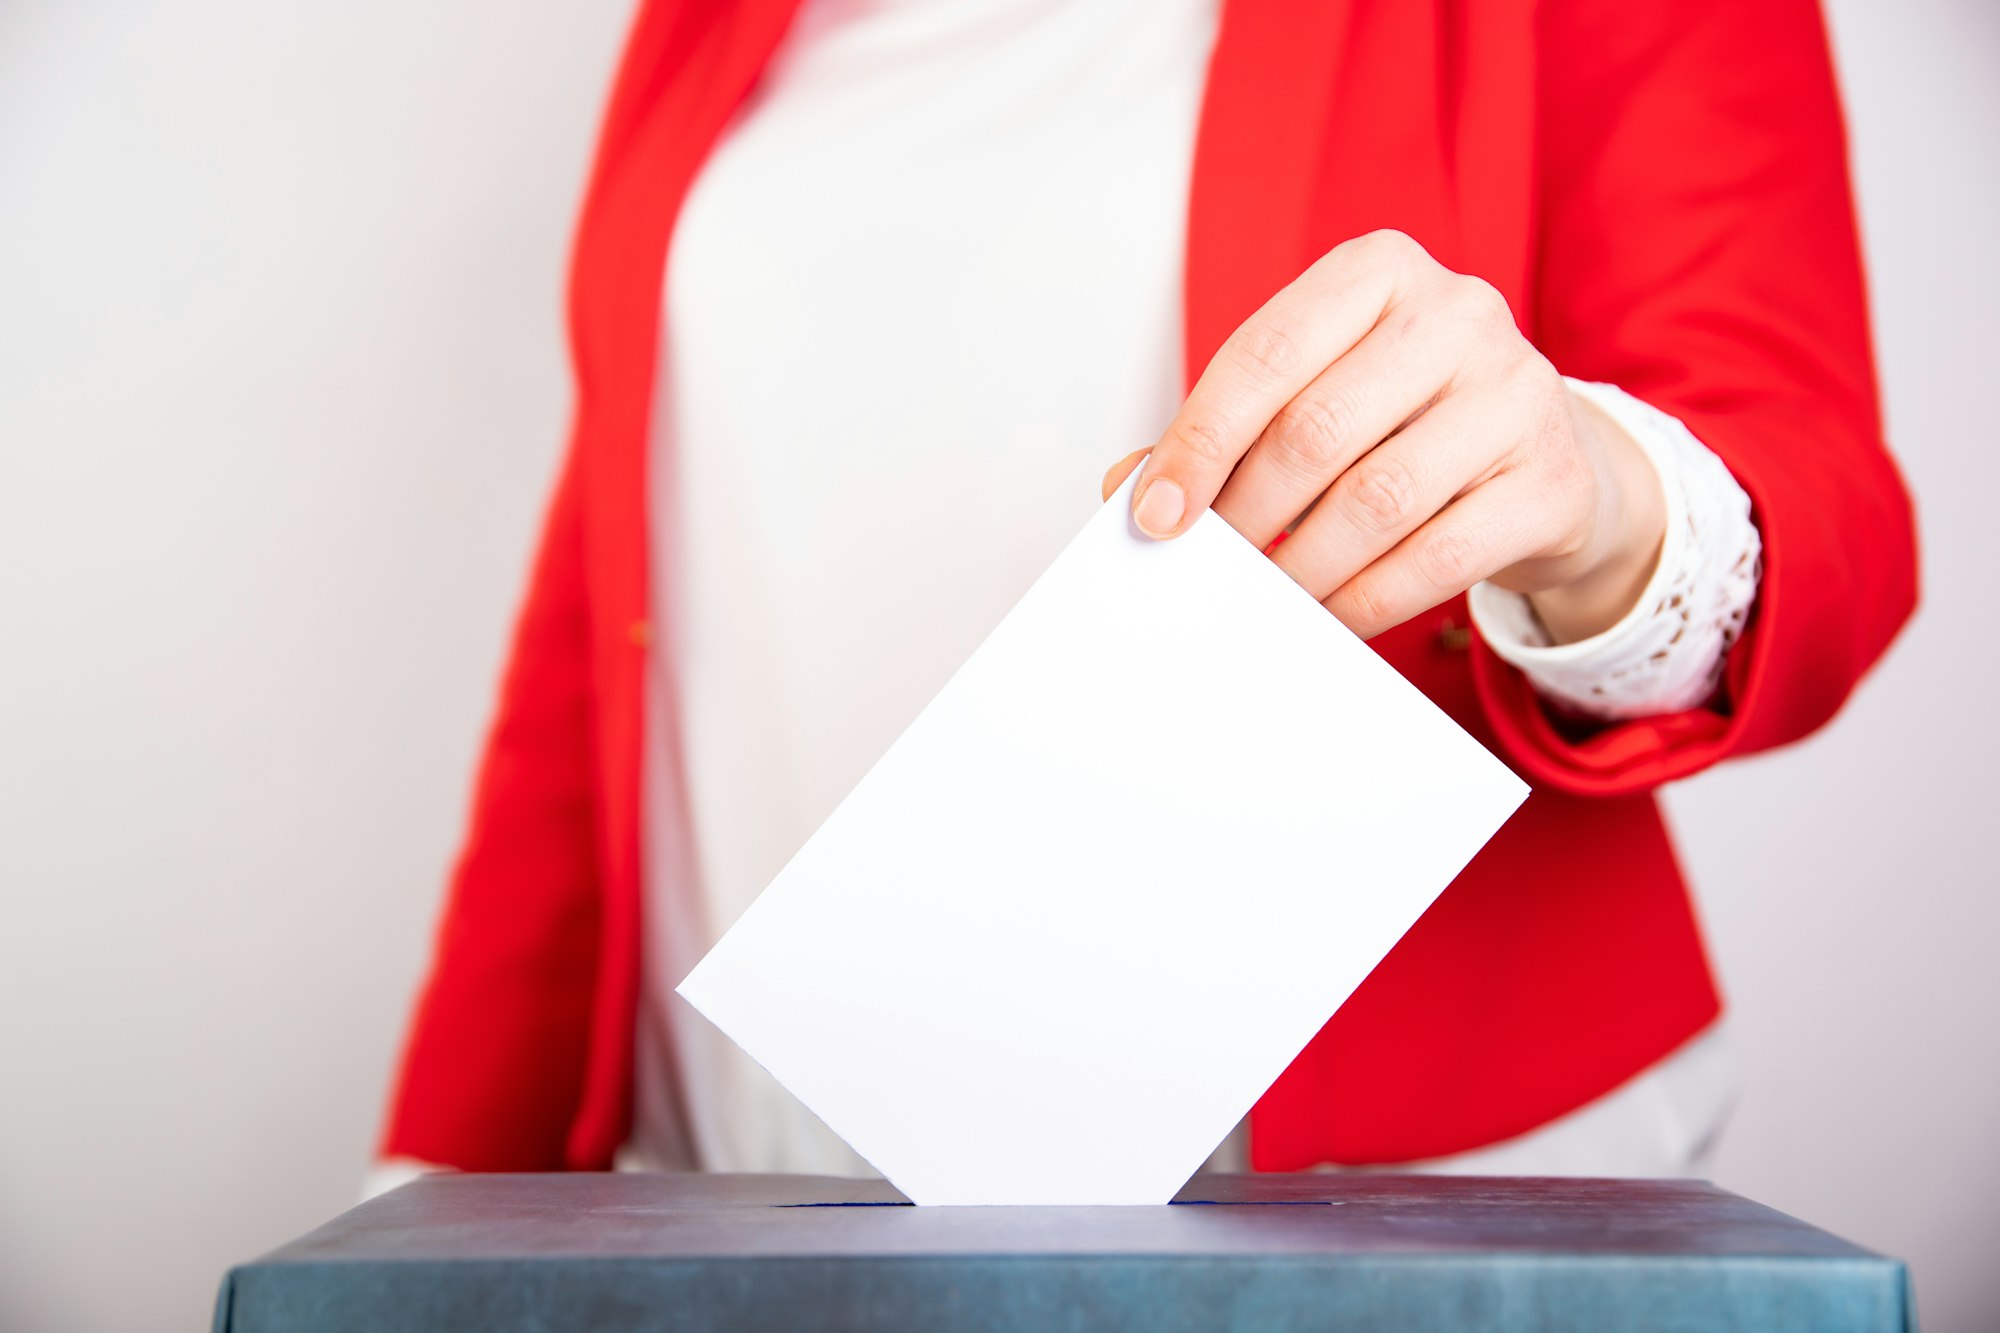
1311, 433
1381, 495
1202, 441
1392, 243
1481, 301
1365, 606
1535, 373
1267, 349
1449, 559
1384, 249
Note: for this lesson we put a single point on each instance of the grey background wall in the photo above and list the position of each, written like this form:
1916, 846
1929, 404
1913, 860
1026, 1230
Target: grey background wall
281, 386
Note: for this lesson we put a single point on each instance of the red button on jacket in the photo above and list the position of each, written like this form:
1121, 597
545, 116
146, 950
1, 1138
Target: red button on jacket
1660, 189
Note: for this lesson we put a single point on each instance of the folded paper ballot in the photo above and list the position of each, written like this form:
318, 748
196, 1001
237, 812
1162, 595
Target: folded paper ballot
1132, 857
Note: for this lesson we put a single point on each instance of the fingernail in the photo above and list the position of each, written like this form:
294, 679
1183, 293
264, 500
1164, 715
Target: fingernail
1160, 507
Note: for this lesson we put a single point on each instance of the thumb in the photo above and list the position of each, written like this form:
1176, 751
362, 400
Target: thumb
1123, 469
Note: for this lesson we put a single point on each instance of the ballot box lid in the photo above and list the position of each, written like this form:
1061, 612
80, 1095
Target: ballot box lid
1318, 1251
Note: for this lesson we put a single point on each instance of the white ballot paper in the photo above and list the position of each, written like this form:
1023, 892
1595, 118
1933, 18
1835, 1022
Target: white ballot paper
1116, 875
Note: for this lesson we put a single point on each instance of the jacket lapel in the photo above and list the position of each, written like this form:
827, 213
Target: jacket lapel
688, 65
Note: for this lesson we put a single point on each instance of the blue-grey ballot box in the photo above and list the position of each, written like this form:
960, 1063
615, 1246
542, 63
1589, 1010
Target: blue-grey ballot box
1319, 1252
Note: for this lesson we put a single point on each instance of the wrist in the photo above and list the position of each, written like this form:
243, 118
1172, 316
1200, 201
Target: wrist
1632, 525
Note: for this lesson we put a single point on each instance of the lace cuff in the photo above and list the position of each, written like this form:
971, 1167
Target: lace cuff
1666, 654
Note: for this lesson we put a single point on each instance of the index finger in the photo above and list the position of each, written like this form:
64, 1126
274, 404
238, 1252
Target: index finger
1262, 366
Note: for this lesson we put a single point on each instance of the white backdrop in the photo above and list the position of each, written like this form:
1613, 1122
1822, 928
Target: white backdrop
281, 385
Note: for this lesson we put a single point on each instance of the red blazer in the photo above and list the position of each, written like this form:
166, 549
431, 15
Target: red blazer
1660, 189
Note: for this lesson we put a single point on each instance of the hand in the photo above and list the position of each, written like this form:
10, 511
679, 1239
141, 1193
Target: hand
1387, 413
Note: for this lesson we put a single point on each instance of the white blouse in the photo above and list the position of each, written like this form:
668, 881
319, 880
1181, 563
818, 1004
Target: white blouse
926, 288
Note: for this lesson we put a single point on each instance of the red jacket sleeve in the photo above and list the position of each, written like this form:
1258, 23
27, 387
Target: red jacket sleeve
1698, 250
493, 1065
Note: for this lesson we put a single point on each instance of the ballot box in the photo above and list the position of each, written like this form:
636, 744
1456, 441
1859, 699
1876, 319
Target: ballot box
1316, 1251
